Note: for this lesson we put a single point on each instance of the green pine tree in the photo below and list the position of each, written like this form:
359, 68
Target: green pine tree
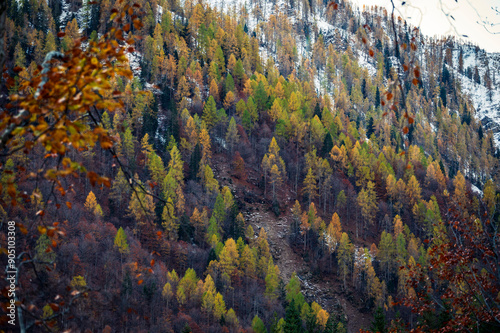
378, 323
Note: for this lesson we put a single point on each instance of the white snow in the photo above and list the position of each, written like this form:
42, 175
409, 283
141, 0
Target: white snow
476, 190
134, 62
65, 14
486, 104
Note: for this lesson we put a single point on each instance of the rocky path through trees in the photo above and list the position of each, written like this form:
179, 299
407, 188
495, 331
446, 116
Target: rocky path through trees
326, 293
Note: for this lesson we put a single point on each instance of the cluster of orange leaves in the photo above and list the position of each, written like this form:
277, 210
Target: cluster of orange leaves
463, 275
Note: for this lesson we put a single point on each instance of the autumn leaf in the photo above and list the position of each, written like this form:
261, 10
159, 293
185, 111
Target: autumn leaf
416, 71
54, 306
333, 5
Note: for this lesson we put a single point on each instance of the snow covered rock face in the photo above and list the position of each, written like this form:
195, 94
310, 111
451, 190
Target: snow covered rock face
477, 75
482, 85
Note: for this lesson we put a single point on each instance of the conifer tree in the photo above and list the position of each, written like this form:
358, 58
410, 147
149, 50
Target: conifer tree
210, 113
128, 146
219, 306
258, 325
210, 183
378, 323
459, 194
204, 138
273, 166
310, 187
200, 222
367, 200
386, 252
241, 107
293, 293
91, 204
229, 101
248, 262
272, 280
229, 258
167, 292
333, 234
232, 136
292, 318
275, 178
169, 220
344, 256
50, 43
413, 191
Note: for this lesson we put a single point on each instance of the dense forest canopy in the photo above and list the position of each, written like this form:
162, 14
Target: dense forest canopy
283, 166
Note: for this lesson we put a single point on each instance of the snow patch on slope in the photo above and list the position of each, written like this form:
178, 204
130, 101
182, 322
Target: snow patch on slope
486, 103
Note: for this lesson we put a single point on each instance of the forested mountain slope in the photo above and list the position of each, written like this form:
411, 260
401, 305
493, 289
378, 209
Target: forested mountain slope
280, 166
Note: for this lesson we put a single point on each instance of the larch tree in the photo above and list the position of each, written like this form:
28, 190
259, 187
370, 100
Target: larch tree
211, 184
248, 262
272, 280
333, 233
367, 200
91, 203
413, 191
229, 258
204, 138
344, 257
258, 325
121, 241
229, 101
305, 226
219, 306
210, 113
200, 222
231, 318
398, 225
490, 197
459, 195
169, 220
273, 161
232, 136
275, 178
310, 187
167, 293
386, 254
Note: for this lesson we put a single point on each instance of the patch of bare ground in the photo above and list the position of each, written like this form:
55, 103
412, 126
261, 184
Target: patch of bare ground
327, 291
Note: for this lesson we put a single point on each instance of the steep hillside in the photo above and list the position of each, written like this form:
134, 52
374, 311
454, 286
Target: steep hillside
246, 166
